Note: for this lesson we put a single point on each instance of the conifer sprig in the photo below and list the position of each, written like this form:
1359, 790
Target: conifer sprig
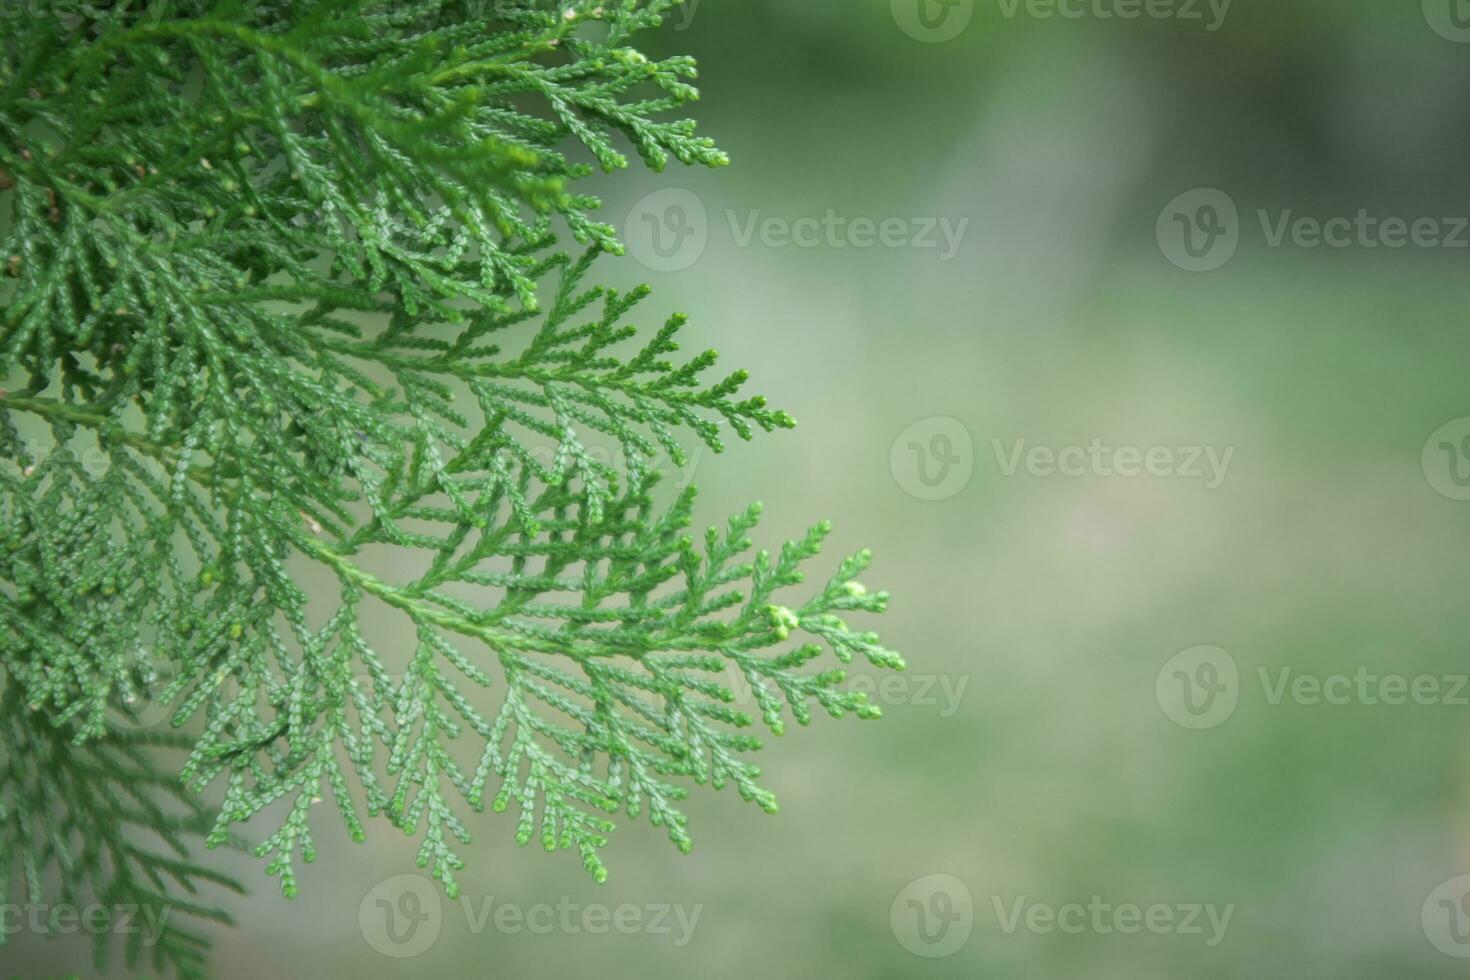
75, 821
284, 302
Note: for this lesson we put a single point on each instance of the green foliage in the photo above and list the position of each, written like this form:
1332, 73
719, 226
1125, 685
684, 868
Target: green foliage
284, 300
71, 812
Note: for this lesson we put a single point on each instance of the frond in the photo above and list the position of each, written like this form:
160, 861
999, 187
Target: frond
281, 299
100, 830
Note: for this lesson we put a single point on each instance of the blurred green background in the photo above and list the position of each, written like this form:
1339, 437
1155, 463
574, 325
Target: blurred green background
1027, 754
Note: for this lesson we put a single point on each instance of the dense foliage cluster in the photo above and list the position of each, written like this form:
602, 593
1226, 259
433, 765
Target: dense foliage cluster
282, 302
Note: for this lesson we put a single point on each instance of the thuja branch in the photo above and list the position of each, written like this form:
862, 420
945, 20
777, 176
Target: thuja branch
410, 601
284, 284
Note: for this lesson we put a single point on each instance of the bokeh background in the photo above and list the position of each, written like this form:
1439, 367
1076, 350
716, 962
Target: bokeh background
1028, 754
